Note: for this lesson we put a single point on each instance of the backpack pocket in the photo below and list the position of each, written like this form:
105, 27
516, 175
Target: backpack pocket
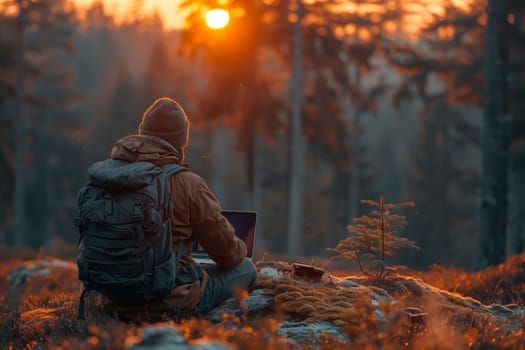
164, 277
128, 290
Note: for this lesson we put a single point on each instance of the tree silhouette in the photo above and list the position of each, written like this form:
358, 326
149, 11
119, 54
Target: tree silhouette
443, 183
39, 28
339, 52
516, 227
334, 97
495, 136
237, 92
455, 48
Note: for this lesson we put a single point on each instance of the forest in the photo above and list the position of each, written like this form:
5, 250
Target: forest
308, 112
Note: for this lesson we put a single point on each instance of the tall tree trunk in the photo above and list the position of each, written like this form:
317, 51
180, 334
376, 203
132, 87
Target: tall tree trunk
221, 153
354, 195
248, 143
257, 175
341, 184
297, 153
257, 186
51, 204
355, 159
495, 139
516, 229
250, 168
19, 196
253, 196
355, 148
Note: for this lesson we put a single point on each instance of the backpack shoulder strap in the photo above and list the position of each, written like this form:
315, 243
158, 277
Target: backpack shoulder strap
81, 306
182, 248
173, 168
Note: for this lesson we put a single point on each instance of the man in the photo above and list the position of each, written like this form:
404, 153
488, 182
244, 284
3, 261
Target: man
162, 138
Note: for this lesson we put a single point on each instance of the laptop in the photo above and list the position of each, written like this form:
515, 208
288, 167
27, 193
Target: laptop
244, 224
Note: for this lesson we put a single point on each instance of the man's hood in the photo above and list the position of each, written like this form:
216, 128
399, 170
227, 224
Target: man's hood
146, 148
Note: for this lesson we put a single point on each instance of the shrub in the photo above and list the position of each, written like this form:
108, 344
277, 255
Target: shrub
374, 237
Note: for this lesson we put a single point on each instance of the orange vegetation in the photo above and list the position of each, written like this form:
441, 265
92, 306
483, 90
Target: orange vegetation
502, 284
427, 310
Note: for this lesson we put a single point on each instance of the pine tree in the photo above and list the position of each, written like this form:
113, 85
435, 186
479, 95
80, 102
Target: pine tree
236, 91
39, 26
327, 58
375, 236
55, 124
239, 93
454, 49
339, 49
7, 92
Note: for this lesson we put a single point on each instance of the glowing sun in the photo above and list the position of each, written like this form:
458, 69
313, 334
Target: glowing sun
217, 18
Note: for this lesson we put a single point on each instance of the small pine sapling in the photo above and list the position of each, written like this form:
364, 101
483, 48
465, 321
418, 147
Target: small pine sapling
374, 237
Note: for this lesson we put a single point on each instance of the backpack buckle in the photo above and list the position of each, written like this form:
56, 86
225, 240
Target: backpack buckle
137, 215
108, 204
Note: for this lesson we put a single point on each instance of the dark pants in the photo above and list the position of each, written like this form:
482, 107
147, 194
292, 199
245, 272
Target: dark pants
222, 283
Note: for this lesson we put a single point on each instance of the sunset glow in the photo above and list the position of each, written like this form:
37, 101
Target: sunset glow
173, 18
217, 18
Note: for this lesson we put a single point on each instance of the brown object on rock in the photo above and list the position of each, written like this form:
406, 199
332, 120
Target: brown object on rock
307, 271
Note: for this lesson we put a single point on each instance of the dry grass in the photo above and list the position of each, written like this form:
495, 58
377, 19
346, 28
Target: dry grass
502, 284
422, 311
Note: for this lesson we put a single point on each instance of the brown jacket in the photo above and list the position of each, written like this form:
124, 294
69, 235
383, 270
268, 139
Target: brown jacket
196, 214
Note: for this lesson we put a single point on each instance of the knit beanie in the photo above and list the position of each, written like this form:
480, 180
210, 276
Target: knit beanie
165, 118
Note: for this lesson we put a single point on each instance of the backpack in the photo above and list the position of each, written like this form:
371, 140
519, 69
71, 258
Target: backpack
126, 247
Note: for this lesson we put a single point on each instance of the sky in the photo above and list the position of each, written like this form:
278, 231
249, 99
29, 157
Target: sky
173, 17
167, 9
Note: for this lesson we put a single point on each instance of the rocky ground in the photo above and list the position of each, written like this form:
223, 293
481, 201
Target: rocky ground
284, 311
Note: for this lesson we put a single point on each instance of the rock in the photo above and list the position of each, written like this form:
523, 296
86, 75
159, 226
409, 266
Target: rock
349, 283
163, 338
202, 344
258, 303
35, 276
35, 269
302, 331
270, 272
155, 338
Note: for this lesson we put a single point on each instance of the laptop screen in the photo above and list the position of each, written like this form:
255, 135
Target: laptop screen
244, 224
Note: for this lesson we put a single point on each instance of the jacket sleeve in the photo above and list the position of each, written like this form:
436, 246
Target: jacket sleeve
213, 231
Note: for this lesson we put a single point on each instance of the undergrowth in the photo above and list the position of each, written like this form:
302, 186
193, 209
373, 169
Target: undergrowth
501, 284
432, 316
